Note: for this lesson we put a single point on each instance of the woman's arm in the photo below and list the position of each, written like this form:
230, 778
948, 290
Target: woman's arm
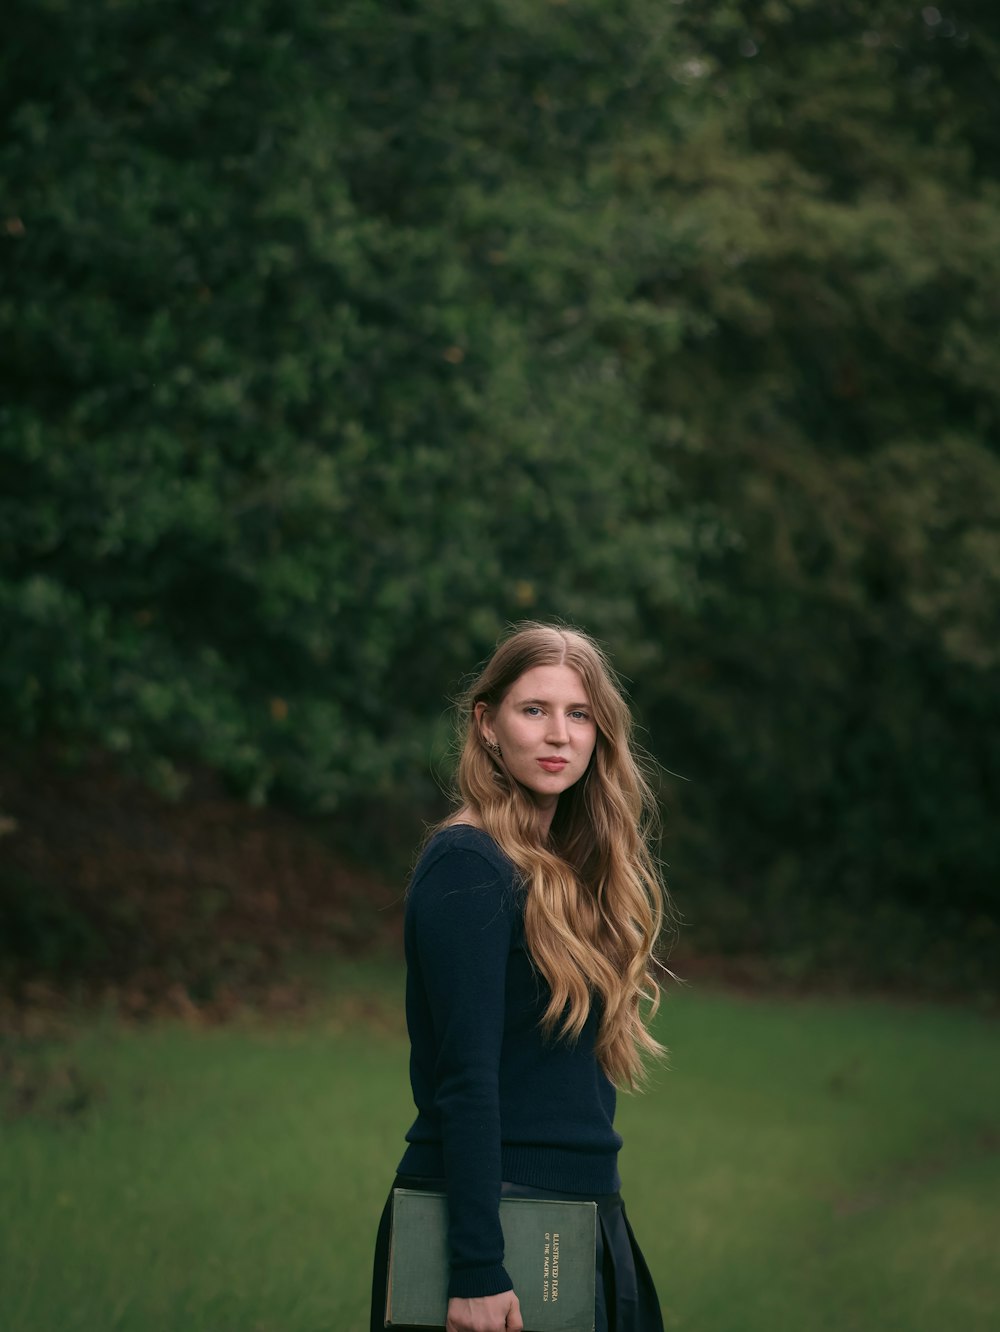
462, 919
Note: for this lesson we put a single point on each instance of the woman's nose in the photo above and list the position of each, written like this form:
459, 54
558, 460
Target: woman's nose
557, 731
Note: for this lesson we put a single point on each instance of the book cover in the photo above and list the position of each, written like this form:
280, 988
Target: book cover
549, 1248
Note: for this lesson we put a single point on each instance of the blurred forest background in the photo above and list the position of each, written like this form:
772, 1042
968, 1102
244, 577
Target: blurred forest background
338, 336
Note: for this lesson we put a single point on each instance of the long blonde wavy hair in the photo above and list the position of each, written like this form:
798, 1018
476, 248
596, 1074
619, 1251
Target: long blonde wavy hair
595, 904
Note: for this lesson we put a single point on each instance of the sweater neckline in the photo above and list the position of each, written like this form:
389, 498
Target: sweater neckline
471, 827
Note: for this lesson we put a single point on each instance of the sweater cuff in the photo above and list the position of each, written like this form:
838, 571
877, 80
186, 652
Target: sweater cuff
471, 1283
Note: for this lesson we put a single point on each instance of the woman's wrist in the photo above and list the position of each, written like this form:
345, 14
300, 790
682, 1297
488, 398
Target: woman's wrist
471, 1283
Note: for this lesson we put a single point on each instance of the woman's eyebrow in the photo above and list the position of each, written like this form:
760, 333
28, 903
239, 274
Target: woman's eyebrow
544, 703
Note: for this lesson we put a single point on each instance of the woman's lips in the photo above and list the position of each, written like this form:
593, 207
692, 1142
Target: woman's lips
553, 764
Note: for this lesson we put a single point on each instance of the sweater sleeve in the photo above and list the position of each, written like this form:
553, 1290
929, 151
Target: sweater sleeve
463, 923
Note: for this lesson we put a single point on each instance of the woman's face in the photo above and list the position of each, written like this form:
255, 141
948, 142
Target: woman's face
545, 729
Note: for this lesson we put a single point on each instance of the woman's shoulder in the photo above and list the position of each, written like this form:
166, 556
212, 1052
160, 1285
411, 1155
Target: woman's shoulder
464, 838
462, 854
463, 895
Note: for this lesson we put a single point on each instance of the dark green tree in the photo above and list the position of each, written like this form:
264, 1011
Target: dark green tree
337, 336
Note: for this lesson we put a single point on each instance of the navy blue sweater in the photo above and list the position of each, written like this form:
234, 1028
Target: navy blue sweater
496, 1100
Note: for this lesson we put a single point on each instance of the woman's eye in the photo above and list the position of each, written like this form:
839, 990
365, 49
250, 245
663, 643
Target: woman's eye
582, 716
532, 711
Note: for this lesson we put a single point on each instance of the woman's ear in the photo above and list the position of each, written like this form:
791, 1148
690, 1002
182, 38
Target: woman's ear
482, 715
482, 721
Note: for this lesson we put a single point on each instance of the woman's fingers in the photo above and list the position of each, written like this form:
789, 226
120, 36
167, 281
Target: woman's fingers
488, 1313
514, 1321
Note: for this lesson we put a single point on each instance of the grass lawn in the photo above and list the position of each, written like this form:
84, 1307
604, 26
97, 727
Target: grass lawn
821, 1165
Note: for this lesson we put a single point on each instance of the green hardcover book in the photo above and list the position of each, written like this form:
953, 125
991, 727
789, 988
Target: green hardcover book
549, 1248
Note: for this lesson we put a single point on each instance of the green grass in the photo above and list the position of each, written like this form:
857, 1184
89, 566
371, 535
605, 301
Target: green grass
829, 1166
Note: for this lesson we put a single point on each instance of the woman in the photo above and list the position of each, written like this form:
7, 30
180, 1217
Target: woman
530, 924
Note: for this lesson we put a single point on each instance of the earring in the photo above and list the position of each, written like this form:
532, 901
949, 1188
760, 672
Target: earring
492, 744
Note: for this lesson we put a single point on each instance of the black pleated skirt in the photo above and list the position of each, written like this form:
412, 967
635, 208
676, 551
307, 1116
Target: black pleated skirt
625, 1298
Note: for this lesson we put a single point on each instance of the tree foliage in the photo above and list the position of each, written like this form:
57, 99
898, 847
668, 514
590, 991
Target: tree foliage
336, 336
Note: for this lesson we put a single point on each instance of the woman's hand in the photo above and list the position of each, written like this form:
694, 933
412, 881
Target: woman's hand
487, 1313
